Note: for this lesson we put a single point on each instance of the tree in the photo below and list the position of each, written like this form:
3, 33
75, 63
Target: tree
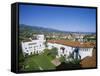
62, 59
54, 51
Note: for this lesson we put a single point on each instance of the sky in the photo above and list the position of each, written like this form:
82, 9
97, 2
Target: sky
60, 18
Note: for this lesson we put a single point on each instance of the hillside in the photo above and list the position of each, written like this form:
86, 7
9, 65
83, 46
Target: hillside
43, 30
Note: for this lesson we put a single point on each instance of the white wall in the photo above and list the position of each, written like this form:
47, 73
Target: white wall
5, 31
67, 50
34, 46
83, 52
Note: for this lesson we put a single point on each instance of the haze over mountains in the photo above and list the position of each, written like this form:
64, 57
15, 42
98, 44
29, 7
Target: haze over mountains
47, 30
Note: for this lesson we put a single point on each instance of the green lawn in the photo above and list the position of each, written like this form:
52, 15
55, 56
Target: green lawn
38, 62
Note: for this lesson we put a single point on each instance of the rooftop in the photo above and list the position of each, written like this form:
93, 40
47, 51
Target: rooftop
73, 43
26, 40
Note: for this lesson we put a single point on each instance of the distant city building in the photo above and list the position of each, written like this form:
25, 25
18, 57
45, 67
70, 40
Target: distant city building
76, 37
79, 37
70, 37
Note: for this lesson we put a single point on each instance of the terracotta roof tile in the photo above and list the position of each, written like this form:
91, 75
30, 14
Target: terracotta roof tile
73, 43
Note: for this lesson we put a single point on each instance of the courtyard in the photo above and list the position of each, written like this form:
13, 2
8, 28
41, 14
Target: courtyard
39, 62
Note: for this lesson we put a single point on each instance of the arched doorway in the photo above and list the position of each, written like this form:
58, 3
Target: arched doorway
62, 49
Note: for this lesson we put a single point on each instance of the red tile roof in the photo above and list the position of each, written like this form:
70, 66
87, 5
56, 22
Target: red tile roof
73, 43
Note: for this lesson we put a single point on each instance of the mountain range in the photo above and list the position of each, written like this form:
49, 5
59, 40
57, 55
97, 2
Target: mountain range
47, 30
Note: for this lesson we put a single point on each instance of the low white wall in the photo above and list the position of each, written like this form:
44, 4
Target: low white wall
83, 52
67, 50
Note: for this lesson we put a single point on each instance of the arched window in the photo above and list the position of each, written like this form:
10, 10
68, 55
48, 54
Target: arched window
62, 48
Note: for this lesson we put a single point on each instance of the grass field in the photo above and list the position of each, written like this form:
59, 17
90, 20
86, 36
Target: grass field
38, 62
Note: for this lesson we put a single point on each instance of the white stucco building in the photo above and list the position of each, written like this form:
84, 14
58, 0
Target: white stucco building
76, 49
33, 46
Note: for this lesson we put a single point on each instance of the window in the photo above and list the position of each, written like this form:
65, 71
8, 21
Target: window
87, 49
30, 47
27, 50
83, 49
35, 47
31, 53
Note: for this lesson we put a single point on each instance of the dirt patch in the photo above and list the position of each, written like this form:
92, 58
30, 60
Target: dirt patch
56, 62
